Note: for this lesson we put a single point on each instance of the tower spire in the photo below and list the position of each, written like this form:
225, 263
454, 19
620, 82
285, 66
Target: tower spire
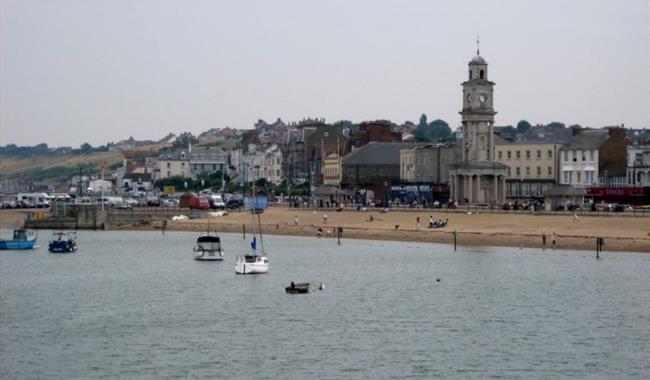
478, 51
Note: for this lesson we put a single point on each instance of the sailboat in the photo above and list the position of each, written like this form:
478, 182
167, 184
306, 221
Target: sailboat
254, 263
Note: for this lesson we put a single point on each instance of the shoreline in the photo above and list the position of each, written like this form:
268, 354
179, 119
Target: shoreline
623, 236
624, 233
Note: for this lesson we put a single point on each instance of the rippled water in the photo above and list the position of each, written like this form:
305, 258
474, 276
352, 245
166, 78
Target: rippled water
136, 305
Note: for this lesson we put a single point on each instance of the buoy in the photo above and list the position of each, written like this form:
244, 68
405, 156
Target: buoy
437, 280
321, 286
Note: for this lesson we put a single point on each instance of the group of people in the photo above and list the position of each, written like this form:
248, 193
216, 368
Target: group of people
553, 240
432, 223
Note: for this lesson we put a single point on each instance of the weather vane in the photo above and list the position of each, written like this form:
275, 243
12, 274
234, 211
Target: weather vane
478, 51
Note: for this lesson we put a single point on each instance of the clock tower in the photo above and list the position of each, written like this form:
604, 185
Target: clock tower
478, 112
478, 178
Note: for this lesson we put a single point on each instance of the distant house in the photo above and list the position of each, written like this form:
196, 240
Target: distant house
207, 160
174, 163
137, 181
594, 157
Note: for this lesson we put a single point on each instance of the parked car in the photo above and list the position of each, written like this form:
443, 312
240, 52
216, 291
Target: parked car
234, 204
217, 202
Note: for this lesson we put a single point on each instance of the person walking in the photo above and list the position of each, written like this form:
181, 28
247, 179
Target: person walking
324, 218
295, 220
417, 223
553, 240
543, 241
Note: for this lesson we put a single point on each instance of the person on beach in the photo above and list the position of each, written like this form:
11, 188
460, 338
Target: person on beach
371, 218
417, 223
295, 220
324, 218
430, 221
553, 240
575, 218
543, 241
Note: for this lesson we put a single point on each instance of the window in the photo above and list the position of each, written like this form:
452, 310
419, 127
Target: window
517, 171
589, 176
481, 74
574, 154
539, 154
169, 174
566, 155
528, 154
518, 154
527, 170
214, 166
470, 75
509, 171
169, 164
509, 154
500, 155
182, 164
550, 154
539, 170
578, 175
568, 176
591, 155
549, 170
584, 155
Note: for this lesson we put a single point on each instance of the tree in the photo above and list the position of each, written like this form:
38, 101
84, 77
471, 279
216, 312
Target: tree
523, 126
86, 148
438, 130
556, 124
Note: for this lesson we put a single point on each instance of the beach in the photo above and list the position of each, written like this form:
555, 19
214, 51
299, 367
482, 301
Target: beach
621, 233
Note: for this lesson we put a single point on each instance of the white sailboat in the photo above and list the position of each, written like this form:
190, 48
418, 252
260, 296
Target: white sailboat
254, 263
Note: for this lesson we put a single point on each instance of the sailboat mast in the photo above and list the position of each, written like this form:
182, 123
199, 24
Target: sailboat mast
259, 220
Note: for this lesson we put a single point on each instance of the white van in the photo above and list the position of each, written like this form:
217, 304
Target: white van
39, 200
217, 201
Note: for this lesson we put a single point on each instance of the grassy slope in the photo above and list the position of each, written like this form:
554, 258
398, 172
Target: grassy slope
10, 166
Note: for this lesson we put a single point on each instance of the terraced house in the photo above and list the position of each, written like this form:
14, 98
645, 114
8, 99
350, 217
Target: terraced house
532, 161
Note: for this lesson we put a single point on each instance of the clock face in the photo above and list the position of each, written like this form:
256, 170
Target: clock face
483, 98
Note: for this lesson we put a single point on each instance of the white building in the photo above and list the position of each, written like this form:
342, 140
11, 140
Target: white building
638, 165
99, 185
273, 164
207, 160
174, 163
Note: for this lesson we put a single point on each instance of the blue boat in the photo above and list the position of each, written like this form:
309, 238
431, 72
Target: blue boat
23, 239
64, 242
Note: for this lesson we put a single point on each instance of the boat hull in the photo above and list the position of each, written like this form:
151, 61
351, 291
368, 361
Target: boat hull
301, 288
17, 244
62, 247
209, 257
259, 266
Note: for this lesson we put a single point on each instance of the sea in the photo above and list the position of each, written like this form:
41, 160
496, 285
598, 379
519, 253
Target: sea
136, 305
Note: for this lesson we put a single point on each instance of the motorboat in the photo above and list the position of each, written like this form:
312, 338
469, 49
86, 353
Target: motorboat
299, 288
22, 239
208, 248
63, 242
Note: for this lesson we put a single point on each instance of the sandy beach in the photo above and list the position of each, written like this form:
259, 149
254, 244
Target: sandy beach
621, 233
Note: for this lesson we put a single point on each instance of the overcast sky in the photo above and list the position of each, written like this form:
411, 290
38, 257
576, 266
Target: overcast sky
100, 71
